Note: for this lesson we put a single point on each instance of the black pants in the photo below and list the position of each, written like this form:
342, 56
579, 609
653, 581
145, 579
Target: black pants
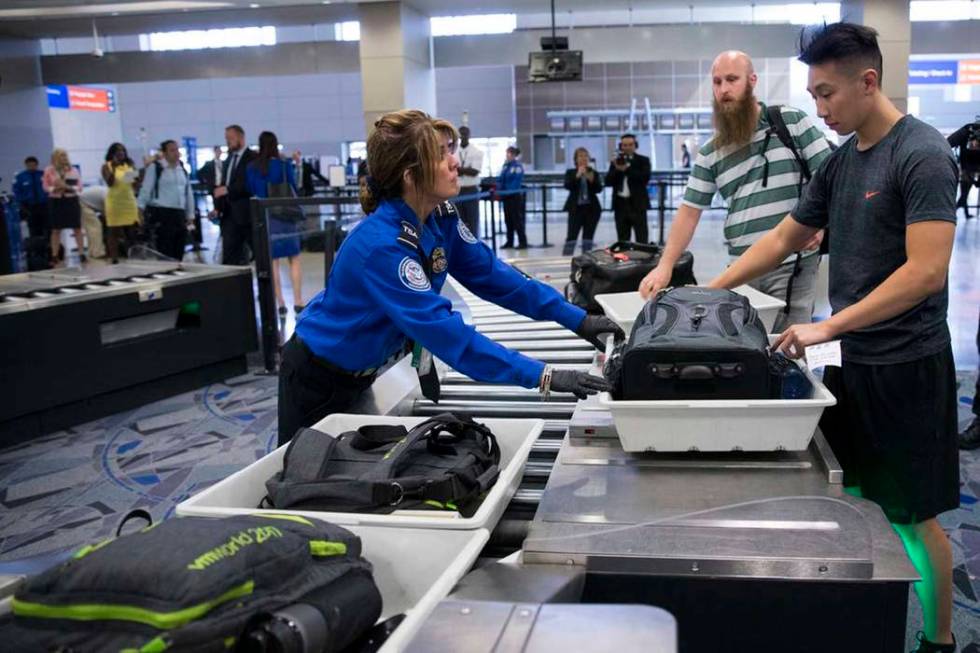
36, 216
966, 183
630, 218
469, 211
234, 237
514, 219
309, 391
582, 218
168, 231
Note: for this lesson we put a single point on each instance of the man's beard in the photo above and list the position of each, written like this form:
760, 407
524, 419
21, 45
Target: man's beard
736, 124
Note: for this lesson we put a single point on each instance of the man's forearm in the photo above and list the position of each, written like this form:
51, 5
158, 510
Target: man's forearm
905, 288
681, 233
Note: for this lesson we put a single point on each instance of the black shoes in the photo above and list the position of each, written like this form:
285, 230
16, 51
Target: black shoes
283, 311
298, 308
507, 245
970, 437
925, 646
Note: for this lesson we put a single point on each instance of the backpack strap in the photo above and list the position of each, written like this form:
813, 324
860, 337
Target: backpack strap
777, 126
374, 436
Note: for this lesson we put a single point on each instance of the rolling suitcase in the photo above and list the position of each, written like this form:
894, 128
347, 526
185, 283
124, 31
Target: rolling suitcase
695, 343
620, 268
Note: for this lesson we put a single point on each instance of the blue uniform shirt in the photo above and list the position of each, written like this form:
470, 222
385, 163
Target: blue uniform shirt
511, 176
28, 188
379, 293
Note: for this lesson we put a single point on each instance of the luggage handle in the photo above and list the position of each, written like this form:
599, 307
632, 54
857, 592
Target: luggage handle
697, 371
623, 245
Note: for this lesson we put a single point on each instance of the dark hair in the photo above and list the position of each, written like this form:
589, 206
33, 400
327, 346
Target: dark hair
110, 155
268, 150
236, 128
30, 159
404, 140
855, 46
515, 150
625, 136
164, 144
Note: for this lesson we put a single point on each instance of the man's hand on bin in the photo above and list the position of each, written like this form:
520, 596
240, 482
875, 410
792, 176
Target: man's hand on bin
594, 325
578, 383
656, 280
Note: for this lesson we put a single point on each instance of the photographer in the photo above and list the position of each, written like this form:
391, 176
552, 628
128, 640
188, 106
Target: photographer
629, 174
967, 139
584, 184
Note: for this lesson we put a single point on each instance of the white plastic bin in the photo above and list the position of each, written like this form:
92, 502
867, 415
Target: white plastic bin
719, 425
623, 307
242, 492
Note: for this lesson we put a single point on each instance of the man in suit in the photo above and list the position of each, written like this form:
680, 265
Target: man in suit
629, 174
210, 173
236, 222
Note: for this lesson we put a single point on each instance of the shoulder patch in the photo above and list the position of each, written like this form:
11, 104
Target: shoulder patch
446, 209
412, 275
408, 236
465, 233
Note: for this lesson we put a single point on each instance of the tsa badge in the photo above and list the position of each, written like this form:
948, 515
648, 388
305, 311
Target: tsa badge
439, 262
465, 233
412, 275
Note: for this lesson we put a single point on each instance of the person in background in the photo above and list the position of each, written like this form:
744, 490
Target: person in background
236, 219
62, 183
92, 200
970, 437
33, 201
512, 179
470, 165
584, 183
167, 202
685, 157
628, 176
121, 211
967, 141
266, 174
210, 176
305, 174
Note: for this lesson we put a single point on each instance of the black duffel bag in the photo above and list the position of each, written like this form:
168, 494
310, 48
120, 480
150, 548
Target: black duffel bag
693, 343
198, 584
620, 268
445, 463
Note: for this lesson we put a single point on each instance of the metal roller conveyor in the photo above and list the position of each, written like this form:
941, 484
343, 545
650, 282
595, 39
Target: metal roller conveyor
568, 344
506, 337
578, 357
554, 410
499, 393
489, 329
502, 319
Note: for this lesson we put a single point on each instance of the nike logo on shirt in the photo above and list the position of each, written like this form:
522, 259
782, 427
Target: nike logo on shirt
871, 193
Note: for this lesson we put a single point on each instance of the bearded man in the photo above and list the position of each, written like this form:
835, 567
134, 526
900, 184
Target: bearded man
760, 179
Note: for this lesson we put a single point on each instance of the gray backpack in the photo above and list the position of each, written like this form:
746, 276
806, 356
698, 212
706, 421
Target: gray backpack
446, 462
196, 584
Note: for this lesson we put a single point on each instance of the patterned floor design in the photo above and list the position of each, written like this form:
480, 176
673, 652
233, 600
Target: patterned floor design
72, 487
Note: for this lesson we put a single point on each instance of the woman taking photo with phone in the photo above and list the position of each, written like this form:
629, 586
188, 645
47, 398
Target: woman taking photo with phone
63, 184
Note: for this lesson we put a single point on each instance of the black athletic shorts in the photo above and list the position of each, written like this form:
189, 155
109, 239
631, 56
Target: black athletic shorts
894, 431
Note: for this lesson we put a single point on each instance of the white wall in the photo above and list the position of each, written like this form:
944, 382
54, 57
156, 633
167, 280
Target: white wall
313, 113
24, 129
486, 92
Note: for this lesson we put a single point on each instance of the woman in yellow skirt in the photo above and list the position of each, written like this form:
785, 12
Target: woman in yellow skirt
121, 212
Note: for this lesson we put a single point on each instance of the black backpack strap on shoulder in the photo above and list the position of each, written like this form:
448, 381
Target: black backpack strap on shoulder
774, 114
797, 268
157, 169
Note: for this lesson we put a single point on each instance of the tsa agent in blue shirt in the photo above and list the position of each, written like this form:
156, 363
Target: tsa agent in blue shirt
382, 295
270, 175
31, 197
512, 179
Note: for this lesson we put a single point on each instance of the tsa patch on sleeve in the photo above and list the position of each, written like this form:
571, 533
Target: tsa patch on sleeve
465, 233
412, 275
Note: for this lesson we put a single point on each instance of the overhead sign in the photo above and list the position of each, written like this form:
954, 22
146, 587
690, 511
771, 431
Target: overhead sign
969, 72
933, 72
82, 98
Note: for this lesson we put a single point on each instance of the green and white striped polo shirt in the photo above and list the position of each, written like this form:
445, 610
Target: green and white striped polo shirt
736, 173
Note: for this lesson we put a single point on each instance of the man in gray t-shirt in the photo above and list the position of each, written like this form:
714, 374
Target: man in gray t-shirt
887, 197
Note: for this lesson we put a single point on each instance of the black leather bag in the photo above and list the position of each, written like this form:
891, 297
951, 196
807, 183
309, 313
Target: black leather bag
694, 343
444, 463
620, 268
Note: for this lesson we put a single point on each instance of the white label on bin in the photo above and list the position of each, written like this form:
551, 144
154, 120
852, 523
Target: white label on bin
151, 294
826, 353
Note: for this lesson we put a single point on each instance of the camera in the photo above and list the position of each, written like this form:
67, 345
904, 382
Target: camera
620, 158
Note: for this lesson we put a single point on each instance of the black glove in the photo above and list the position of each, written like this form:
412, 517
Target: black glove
578, 383
594, 325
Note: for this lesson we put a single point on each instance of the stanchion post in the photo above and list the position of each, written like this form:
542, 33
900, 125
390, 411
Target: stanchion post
544, 216
267, 295
329, 247
493, 224
661, 207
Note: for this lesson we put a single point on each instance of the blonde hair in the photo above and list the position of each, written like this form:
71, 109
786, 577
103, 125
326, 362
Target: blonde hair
56, 154
403, 140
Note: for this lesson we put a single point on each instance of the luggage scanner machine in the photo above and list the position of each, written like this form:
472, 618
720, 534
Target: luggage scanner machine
748, 551
76, 345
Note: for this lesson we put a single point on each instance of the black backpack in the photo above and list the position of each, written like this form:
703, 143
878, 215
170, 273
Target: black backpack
620, 268
446, 462
693, 343
196, 584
